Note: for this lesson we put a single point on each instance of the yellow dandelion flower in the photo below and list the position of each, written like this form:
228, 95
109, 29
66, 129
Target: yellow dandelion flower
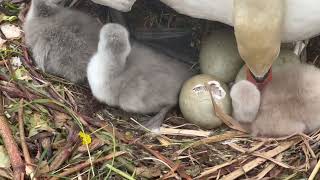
86, 139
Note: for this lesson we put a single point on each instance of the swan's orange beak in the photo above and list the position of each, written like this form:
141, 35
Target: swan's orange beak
258, 27
259, 82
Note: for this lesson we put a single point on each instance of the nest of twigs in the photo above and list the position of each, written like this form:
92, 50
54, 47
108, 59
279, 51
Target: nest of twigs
52, 129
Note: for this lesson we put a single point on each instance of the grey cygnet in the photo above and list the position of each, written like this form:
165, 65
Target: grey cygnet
288, 105
62, 40
135, 77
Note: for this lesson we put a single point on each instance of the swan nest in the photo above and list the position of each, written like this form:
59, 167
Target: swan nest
56, 129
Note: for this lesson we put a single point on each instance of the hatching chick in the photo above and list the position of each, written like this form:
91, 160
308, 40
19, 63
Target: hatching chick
289, 103
135, 78
62, 40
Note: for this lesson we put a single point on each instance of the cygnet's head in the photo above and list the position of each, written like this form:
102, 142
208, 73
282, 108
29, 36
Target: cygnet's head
43, 8
245, 101
114, 39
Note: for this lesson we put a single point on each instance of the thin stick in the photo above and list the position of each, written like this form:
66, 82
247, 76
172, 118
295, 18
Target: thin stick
258, 161
267, 169
29, 168
225, 118
315, 171
3, 62
11, 146
121, 173
184, 132
79, 167
180, 169
217, 138
220, 166
215, 168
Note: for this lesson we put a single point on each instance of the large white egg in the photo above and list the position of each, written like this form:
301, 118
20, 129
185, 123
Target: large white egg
219, 55
195, 101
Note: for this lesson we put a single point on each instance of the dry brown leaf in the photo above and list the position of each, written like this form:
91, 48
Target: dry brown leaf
95, 144
148, 172
60, 119
11, 31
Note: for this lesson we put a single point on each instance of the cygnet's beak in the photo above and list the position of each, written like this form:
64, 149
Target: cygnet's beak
260, 82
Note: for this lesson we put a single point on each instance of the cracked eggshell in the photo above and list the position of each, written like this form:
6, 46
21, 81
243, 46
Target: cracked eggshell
219, 55
286, 56
196, 105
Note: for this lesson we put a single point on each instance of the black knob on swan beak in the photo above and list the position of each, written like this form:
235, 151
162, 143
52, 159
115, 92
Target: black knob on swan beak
260, 82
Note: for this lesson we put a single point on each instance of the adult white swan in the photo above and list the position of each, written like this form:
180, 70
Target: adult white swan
301, 19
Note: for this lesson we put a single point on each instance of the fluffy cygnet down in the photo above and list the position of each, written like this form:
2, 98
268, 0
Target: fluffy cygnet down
135, 77
289, 104
62, 40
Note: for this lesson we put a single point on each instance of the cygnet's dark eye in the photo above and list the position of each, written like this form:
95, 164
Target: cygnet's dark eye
44, 10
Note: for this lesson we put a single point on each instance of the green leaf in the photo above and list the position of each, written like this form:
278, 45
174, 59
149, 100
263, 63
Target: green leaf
4, 158
38, 123
8, 18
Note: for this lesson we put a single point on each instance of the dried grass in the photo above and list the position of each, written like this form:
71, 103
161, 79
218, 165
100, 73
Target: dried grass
53, 112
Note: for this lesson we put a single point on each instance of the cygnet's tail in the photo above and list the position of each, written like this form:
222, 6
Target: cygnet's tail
114, 38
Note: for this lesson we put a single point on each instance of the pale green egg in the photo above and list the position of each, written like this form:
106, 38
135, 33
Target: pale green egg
196, 104
219, 55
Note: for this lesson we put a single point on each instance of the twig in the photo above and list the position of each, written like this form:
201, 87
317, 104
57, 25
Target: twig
215, 168
225, 118
29, 168
105, 126
11, 146
180, 170
220, 166
315, 171
79, 167
267, 169
258, 161
184, 132
121, 173
3, 62
172, 171
309, 148
279, 163
141, 171
212, 139
66, 151
257, 154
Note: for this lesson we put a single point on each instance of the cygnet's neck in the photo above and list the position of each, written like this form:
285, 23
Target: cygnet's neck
113, 63
31, 11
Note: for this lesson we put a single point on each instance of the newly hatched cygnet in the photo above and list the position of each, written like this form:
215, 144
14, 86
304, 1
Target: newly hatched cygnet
289, 104
134, 77
62, 40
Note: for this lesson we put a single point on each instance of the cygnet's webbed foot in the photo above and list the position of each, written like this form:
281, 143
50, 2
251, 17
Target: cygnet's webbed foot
156, 121
121, 5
